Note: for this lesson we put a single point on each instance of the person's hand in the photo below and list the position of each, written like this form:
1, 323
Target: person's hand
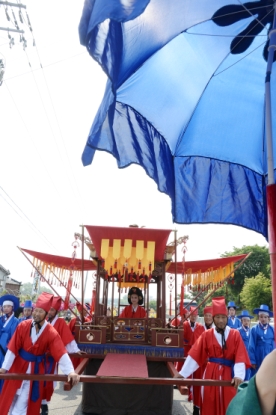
3, 370
74, 378
81, 352
236, 382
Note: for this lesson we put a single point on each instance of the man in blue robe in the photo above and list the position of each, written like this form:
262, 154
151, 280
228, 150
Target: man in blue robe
245, 332
261, 341
8, 324
27, 311
233, 321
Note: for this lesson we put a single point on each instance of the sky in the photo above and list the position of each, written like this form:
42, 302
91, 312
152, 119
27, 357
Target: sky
48, 99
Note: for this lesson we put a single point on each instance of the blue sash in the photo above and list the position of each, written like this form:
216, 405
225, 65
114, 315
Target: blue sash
224, 362
37, 359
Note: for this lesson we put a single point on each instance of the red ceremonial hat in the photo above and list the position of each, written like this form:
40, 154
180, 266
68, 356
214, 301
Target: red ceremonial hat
184, 311
80, 307
56, 304
219, 306
44, 301
194, 311
208, 309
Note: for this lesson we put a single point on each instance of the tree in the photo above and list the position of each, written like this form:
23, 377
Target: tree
256, 291
26, 289
153, 304
258, 262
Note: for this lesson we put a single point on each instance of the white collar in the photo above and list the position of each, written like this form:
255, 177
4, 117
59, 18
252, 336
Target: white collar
218, 336
53, 322
35, 335
6, 322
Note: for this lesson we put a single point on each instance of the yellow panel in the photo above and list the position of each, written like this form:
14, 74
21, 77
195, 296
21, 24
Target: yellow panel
131, 284
104, 248
151, 252
127, 248
139, 249
132, 262
116, 248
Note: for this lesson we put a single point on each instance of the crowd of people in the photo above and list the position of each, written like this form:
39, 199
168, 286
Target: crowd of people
36, 343
224, 347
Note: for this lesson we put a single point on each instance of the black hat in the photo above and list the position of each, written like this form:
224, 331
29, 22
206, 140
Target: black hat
137, 291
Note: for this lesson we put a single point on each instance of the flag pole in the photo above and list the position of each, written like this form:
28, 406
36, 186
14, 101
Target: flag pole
271, 186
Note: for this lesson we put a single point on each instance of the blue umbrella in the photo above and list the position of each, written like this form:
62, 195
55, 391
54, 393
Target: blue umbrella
185, 100
188, 97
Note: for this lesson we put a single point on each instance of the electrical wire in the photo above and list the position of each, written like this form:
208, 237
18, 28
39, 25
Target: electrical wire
23, 216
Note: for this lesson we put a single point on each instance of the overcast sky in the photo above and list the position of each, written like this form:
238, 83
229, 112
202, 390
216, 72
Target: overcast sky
46, 114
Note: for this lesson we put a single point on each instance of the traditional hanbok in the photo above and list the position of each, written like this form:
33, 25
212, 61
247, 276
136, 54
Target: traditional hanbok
245, 335
234, 322
71, 346
261, 343
129, 312
7, 328
26, 354
191, 334
221, 362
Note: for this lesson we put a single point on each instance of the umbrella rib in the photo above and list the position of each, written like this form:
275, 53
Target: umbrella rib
249, 11
228, 67
237, 12
258, 22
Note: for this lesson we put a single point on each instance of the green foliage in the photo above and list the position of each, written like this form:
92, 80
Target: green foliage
153, 304
26, 291
224, 291
256, 291
257, 262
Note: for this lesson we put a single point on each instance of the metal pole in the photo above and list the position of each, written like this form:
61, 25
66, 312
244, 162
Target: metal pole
82, 272
6, 3
7, 29
175, 279
271, 187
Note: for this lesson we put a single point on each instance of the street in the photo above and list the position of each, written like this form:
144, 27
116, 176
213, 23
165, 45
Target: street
69, 403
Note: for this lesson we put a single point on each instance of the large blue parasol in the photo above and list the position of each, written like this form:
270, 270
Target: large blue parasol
185, 99
190, 97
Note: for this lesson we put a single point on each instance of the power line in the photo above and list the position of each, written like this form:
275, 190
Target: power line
29, 222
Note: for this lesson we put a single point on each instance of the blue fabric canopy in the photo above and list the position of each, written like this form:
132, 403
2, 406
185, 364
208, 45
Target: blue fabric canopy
185, 99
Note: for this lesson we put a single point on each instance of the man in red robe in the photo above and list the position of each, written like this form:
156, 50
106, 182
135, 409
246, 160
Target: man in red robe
208, 318
134, 310
192, 331
224, 349
69, 342
26, 354
87, 319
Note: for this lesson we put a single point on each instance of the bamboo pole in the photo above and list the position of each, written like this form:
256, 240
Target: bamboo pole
47, 282
76, 315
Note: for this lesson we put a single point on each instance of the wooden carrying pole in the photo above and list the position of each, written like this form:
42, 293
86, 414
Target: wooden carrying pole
118, 380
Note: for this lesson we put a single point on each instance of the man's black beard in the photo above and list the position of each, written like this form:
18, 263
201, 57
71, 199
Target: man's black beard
38, 322
222, 332
50, 319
